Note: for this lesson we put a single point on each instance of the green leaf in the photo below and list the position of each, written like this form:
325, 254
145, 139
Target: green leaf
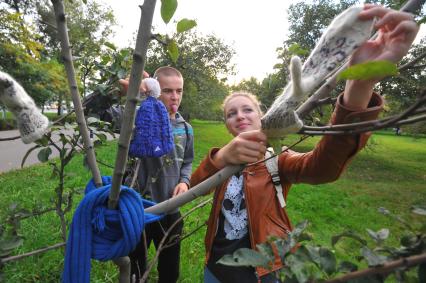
284, 246
44, 141
110, 45
372, 258
245, 257
185, 24
27, 154
296, 49
383, 211
421, 21
327, 260
369, 70
168, 9
43, 154
347, 266
266, 250
420, 210
300, 228
173, 50
378, 236
323, 257
408, 240
347, 234
302, 267
92, 120
122, 73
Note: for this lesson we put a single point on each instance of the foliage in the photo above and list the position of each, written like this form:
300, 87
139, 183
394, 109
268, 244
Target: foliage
369, 70
21, 56
307, 22
168, 8
90, 27
401, 91
304, 262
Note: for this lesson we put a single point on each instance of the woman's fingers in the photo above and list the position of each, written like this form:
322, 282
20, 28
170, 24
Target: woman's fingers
372, 11
407, 29
247, 147
392, 18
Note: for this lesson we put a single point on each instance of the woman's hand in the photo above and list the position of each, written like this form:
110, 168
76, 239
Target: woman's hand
247, 147
396, 32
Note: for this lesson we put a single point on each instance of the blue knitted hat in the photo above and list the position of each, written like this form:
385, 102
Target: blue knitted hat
152, 136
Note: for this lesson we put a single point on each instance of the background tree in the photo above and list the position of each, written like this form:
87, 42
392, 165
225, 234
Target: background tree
204, 61
307, 22
90, 28
21, 55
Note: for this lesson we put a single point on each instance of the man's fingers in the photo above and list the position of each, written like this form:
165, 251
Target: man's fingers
124, 82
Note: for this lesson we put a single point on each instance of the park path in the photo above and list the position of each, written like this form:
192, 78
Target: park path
12, 152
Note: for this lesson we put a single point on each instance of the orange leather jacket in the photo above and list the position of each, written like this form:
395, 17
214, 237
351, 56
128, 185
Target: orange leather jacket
323, 164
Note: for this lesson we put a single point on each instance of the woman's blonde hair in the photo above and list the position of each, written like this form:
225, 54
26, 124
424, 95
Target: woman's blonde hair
250, 96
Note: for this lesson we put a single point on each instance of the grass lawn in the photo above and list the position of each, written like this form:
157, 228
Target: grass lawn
390, 173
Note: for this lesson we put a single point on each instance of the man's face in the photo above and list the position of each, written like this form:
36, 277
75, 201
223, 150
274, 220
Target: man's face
171, 92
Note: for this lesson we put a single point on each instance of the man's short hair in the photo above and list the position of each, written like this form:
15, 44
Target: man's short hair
166, 71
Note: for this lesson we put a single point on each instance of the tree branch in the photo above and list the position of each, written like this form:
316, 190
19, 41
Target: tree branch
161, 246
324, 91
387, 267
204, 187
412, 62
357, 128
139, 56
32, 253
58, 6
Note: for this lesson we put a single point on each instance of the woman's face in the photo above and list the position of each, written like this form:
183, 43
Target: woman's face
241, 115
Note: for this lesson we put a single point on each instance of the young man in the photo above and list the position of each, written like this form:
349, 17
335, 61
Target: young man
165, 177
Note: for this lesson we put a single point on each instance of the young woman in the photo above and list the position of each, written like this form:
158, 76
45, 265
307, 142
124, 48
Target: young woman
245, 208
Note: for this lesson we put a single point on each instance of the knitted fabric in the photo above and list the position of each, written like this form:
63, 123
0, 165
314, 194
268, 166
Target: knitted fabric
31, 123
342, 37
153, 133
101, 233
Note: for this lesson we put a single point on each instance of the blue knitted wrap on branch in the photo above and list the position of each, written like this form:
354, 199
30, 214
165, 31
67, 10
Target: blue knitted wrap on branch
101, 233
153, 135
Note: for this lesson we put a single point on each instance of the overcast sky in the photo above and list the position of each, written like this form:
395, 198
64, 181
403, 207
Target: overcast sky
254, 28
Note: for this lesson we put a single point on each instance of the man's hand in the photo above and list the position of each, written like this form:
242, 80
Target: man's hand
125, 84
180, 189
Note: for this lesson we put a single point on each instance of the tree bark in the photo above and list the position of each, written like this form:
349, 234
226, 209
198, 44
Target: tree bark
66, 54
139, 56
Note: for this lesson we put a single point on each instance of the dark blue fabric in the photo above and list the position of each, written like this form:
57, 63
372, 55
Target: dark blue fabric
153, 133
101, 233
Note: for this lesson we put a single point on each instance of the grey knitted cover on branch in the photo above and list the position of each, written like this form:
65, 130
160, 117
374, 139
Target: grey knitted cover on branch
31, 123
342, 37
